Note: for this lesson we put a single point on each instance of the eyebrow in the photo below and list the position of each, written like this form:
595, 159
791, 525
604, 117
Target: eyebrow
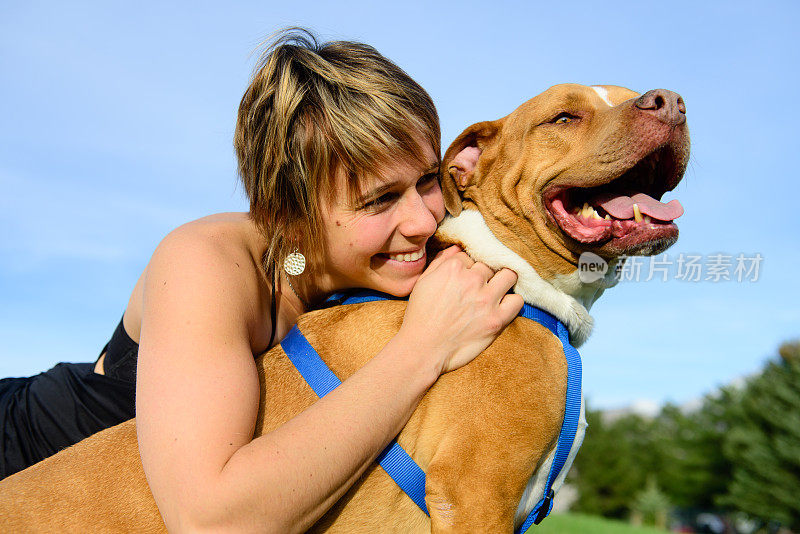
387, 186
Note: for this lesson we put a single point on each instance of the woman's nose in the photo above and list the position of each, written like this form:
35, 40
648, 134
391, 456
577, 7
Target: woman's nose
416, 218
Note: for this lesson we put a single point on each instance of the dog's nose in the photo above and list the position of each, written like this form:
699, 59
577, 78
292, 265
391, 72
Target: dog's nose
667, 106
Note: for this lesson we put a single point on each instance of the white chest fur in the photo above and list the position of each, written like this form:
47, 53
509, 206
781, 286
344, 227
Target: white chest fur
566, 297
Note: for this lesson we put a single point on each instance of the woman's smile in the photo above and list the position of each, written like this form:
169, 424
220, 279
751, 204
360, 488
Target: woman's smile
408, 263
406, 257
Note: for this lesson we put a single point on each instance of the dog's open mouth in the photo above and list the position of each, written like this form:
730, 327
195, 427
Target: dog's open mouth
627, 210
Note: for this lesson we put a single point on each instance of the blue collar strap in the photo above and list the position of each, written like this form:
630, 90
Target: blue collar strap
396, 461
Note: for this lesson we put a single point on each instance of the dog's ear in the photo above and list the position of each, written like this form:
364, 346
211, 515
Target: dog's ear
461, 160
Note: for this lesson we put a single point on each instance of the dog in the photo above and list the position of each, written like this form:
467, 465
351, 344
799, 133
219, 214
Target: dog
576, 169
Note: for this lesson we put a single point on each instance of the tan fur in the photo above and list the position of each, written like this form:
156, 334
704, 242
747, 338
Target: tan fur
480, 432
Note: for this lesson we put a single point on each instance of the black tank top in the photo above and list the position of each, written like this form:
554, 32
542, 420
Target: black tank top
42, 414
121, 353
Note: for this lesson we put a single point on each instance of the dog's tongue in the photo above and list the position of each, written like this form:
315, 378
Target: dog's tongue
621, 207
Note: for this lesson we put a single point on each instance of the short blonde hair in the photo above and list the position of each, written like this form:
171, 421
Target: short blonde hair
314, 110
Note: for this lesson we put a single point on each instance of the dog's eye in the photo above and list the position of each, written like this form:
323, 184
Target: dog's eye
563, 118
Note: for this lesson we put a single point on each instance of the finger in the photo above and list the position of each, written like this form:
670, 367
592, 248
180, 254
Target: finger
452, 249
464, 258
483, 269
441, 256
510, 306
502, 281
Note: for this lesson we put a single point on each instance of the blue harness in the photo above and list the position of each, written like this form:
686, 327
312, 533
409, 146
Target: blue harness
394, 459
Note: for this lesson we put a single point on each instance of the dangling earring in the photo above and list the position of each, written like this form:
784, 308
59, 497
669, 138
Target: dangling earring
295, 263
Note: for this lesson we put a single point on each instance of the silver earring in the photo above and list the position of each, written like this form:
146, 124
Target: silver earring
295, 263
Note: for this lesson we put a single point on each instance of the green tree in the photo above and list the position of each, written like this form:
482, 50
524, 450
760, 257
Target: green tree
764, 445
679, 451
613, 464
691, 467
651, 506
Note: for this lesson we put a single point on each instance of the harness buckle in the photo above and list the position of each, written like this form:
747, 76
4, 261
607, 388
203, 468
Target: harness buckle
544, 509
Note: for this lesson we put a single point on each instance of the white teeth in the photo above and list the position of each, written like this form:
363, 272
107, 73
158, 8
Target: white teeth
637, 215
414, 256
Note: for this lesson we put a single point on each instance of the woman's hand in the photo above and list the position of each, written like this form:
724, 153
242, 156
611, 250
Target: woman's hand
458, 307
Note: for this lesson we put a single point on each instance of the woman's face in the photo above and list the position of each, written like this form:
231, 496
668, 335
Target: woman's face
379, 243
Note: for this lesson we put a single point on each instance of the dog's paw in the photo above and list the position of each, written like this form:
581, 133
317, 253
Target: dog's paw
580, 324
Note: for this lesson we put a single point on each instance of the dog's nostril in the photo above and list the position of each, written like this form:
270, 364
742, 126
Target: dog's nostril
665, 105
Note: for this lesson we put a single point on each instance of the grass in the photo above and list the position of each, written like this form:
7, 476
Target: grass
587, 524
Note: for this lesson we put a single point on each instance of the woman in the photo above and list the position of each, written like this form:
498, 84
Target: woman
338, 153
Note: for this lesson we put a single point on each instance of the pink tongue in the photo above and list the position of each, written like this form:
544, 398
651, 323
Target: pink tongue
621, 207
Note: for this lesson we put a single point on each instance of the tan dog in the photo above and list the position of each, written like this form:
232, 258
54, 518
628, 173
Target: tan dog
484, 434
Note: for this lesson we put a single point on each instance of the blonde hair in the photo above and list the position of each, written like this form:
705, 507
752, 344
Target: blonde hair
313, 110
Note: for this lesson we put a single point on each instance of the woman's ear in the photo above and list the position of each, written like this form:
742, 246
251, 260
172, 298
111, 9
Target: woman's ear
461, 160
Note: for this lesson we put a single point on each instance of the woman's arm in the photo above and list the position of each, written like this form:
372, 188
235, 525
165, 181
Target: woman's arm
198, 394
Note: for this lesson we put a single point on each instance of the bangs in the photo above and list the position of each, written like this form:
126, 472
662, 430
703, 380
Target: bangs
360, 149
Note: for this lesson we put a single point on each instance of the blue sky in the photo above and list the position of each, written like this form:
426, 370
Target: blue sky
116, 123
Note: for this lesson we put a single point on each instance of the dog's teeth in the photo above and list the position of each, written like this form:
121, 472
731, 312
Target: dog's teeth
637, 215
608, 217
588, 212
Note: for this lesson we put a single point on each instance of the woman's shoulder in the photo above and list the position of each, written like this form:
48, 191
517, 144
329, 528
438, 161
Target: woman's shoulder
212, 263
222, 251
228, 236
234, 228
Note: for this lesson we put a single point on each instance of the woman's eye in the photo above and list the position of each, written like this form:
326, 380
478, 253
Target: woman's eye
428, 179
381, 201
385, 200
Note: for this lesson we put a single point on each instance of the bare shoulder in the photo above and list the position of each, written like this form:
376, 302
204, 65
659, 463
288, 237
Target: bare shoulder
230, 233
223, 237
214, 263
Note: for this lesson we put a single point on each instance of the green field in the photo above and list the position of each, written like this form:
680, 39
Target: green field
586, 524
